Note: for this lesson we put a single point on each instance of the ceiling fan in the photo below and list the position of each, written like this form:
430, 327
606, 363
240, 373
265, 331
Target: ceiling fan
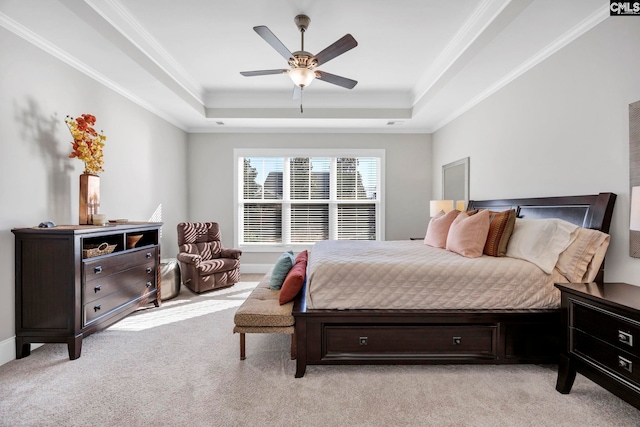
303, 63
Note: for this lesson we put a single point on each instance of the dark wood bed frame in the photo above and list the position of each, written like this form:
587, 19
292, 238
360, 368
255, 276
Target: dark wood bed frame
341, 337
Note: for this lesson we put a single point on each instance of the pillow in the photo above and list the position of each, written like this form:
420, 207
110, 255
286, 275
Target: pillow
280, 270
580, 262
468, 234
302, 256
500, 231
439, 228
540, 241
295, 279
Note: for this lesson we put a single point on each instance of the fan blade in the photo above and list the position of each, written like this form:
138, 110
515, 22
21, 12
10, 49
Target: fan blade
262, 72
336, 80
338, 48
297, 92
275, 43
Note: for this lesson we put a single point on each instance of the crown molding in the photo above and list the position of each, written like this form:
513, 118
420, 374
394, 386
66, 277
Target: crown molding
585, 25
481, 18
120, 18
55, 51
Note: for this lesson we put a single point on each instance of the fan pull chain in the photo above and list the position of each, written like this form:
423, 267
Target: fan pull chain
301, 110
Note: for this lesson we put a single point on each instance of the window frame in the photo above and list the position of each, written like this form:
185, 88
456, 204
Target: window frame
241, 153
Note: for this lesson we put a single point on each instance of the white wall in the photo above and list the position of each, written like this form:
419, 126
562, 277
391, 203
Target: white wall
408, 178
560, 129
145, 158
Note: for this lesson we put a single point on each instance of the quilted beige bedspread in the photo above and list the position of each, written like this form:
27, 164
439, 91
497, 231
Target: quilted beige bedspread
411, 275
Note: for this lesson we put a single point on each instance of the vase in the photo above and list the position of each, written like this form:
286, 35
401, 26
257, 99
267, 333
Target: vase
89, 197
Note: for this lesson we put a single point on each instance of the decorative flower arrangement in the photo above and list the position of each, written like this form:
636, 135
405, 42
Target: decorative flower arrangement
87, 143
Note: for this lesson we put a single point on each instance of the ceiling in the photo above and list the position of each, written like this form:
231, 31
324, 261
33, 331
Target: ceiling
418, 63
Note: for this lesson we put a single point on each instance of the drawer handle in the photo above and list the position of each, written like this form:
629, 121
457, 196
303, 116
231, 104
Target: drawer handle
149, 284
97, 307
457, 340
97, 289
625, 338
149, 269
148, 254
97, 269
363, 340
625, 364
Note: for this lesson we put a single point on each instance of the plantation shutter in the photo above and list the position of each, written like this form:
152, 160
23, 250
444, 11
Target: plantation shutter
262, 181
357, 181
309, 178
285, 200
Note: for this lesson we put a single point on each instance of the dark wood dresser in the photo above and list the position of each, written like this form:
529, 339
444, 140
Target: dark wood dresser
68, 285
602, 323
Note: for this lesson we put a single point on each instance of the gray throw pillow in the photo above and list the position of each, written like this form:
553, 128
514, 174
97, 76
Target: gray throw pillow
280, 270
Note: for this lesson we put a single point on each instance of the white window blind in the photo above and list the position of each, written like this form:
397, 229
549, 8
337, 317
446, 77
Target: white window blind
301, 199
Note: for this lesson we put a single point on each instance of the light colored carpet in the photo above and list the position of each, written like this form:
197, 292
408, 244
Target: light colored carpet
178, 365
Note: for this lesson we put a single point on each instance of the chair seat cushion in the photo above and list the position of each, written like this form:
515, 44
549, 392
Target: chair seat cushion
217, 265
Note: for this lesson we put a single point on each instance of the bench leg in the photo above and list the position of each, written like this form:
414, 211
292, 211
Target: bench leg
293, 346
242, 357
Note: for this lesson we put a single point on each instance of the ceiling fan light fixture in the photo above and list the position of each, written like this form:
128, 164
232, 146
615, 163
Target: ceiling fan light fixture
302, 76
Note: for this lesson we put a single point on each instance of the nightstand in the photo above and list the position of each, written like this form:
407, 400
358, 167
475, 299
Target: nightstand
602, 324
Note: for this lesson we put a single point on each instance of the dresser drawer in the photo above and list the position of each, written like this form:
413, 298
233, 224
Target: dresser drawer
609, 357
104, 285
435, 340
96, 309
94, 269
607, 326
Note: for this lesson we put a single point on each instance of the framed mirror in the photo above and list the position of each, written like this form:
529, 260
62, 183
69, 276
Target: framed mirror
455, 182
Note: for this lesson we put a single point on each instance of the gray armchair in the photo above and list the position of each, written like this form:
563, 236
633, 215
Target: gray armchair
204, 264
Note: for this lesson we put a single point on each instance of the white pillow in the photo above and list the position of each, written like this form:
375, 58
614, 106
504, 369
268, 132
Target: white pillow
540, 241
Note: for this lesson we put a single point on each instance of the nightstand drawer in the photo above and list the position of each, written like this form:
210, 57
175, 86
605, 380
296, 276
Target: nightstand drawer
607, 326
602, 323
611, 358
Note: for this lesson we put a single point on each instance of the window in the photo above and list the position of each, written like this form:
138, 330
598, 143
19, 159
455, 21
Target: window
309, 196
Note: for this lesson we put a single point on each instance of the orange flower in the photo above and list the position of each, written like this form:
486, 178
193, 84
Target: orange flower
87, 144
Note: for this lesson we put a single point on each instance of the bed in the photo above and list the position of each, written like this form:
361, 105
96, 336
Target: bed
393, 330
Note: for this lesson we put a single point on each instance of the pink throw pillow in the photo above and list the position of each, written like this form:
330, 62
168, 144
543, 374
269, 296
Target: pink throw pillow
468, 234
439, 228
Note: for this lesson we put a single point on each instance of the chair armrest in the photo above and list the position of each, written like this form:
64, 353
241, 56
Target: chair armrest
189, 258
231, 253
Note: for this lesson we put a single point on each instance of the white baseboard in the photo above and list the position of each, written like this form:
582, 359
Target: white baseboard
8, 350
255, 268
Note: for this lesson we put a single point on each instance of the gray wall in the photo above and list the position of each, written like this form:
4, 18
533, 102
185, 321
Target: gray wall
408, 178
145, 158
560, 129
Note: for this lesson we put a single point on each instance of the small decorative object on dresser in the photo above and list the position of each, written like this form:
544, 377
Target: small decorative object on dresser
602, 324
74, 280
89, 204
87, 146
132, 240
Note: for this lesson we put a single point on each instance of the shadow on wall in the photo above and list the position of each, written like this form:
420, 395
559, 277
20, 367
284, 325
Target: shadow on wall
40, 131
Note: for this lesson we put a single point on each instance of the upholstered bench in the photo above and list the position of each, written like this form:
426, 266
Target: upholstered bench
261, 313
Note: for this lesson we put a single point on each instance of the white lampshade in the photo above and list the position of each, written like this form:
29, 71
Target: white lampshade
436, 206
460, 205
302, 76
634, 216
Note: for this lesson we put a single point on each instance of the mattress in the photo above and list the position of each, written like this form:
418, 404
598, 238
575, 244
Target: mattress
396, 275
